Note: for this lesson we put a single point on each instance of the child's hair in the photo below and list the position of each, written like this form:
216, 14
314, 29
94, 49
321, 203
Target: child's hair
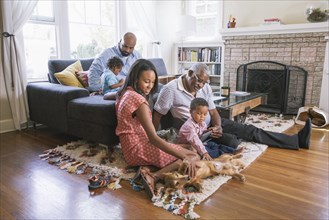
114, 62
135, 71
198, 102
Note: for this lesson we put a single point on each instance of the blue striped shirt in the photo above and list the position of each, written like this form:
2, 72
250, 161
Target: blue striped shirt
100, 64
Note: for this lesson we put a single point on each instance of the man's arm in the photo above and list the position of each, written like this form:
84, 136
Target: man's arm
156, 119
216, 121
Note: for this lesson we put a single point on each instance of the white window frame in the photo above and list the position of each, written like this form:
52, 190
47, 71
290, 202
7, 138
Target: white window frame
61, 24
219, 17
62, 29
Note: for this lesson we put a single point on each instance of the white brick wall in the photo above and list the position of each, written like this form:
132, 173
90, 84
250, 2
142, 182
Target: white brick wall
305, 50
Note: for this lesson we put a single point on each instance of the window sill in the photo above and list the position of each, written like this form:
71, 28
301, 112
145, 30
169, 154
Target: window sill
37, 80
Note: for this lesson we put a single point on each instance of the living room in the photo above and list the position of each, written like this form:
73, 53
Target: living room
170, 33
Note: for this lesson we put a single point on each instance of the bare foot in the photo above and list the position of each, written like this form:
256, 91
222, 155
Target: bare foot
148, 182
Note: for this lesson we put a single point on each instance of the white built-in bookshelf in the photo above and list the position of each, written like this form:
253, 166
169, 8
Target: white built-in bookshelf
210, 53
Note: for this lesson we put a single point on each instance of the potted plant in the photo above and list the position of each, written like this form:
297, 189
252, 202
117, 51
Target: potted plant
317, 15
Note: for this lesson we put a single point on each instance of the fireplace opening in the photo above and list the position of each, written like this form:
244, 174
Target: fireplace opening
284, 85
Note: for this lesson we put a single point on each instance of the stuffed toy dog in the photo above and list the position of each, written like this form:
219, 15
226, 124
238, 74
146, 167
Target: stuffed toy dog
226, 164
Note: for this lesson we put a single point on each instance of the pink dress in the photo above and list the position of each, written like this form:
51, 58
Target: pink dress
136, 147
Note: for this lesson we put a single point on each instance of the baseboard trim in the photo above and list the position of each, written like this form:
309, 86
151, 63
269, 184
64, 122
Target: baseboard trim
7, 126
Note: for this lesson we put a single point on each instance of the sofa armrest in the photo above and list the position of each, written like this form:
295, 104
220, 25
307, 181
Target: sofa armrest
48, 103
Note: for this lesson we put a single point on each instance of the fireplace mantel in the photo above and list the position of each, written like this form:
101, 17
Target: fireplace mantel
276, 29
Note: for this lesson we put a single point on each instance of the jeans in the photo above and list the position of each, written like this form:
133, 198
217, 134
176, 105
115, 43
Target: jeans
215, 150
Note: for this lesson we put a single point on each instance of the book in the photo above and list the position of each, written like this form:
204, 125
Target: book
205, 136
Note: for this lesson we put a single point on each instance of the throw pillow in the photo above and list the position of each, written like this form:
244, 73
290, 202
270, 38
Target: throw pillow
67, 76
82, 76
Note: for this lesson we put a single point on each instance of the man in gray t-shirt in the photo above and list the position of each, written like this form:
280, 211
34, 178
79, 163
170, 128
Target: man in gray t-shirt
124, 50
177, 95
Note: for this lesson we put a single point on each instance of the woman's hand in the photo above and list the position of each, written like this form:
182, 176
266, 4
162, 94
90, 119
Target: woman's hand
189, 159
190, 169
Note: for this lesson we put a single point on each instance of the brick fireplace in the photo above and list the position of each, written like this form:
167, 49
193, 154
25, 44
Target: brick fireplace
300, 45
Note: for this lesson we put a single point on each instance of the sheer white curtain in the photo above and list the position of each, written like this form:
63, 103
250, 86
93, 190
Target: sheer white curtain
142, 16
15, 13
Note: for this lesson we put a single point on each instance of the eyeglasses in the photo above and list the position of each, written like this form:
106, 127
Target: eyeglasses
200, 81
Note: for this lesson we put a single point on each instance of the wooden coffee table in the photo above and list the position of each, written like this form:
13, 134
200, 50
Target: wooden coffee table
237, 107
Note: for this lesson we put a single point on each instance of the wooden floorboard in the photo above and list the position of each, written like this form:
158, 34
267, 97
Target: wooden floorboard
281, 184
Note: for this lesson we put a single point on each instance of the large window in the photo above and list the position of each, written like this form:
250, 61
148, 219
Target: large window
40, 40
208, 16
67, 29
92, 27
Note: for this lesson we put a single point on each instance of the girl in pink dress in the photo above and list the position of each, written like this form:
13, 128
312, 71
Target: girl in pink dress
140, 143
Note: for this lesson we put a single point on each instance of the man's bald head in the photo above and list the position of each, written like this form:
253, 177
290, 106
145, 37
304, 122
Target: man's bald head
127, 44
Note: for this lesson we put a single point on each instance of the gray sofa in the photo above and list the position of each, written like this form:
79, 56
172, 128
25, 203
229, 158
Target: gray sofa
71, 110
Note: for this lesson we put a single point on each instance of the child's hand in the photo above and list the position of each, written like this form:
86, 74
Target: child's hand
122, 81
207, 157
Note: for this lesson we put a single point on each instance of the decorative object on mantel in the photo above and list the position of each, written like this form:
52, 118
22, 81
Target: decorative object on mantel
231, 22
316, 14
271, 21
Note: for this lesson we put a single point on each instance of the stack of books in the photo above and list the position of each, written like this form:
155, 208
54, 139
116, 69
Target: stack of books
271, 21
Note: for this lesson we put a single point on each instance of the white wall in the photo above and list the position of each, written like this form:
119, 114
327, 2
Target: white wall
252, 13
6, 121
324, 104
168, 15
247, 14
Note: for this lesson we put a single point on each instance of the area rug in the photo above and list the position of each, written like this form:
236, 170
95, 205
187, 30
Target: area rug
81, 157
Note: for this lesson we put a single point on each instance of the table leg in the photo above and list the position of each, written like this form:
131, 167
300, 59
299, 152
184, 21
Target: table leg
241, 118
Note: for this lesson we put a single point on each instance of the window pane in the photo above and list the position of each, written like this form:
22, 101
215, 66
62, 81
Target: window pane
212, 8
200, 9
93, 31
93, 12
43, 11
108, 13
206, 13
89, 40
75, 12
40, 46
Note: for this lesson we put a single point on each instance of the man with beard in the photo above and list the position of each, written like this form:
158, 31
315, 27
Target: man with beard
124, 50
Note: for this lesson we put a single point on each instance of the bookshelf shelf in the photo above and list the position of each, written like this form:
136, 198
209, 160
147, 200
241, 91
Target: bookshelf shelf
210, 53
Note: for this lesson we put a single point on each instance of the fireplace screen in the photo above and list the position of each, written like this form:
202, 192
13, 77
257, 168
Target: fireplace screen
284, 85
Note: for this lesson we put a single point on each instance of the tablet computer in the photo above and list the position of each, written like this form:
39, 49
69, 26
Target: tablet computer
205, 136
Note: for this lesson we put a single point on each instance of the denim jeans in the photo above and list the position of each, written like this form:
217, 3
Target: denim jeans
215, 150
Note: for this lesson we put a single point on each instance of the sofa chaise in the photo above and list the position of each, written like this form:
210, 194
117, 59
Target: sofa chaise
71, 110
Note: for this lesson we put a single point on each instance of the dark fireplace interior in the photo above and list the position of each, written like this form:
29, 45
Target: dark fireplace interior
284, 85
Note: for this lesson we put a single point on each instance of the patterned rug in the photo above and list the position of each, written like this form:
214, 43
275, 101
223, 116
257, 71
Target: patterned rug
81, 157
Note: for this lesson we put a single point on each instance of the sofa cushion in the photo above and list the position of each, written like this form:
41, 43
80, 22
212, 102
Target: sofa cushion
159, 65
93, 109
82, 76
55, 66
48, 103
67, 77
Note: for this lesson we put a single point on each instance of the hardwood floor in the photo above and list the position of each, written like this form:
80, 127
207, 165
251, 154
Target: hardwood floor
281, 184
